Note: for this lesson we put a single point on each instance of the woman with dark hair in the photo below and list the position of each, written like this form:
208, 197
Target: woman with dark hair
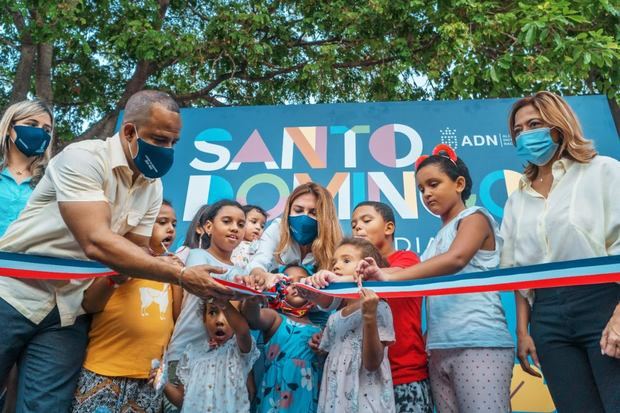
566, 208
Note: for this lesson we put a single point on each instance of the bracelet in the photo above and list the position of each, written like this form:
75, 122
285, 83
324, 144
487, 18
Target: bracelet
180, 277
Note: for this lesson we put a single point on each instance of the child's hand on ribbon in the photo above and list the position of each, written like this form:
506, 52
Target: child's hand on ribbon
320, 279
370, 301
367, 269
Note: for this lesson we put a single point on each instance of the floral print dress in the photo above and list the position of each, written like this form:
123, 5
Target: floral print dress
292, 370
346, 385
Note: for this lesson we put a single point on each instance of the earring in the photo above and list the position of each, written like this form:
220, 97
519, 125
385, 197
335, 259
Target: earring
200, 242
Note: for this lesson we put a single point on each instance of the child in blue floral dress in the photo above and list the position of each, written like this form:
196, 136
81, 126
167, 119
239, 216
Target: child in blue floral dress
292, 370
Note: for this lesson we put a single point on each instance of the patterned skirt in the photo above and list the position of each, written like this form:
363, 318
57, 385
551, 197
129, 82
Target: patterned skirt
102, 394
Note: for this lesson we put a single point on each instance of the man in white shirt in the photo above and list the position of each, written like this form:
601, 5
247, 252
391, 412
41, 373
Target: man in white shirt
98, 200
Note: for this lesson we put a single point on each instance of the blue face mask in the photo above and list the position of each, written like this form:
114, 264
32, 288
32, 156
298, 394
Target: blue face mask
152, 160
536, 146
304, 229
30, 140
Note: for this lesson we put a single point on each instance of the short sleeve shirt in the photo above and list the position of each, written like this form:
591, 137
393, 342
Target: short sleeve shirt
93, 170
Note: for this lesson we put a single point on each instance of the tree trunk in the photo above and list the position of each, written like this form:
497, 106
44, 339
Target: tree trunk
21, 83
43, 78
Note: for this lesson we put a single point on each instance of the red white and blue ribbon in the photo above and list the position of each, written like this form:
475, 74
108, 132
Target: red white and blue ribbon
49, 268
566, 273
558, 274
19, 265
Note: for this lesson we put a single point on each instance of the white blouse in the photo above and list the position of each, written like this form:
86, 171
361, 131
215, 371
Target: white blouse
580, 218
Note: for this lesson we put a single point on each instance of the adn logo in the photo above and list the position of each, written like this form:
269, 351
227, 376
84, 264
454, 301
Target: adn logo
449, 137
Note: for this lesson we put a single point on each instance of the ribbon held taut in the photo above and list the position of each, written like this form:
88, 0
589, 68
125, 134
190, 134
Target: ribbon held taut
558, 274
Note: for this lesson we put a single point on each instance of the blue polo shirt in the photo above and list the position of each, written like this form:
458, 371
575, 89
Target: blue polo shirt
13, 198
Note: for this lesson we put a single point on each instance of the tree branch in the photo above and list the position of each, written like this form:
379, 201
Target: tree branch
144, 69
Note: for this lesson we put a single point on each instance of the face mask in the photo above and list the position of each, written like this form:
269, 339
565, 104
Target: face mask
536, 146
31, 141
152, 160
303, 228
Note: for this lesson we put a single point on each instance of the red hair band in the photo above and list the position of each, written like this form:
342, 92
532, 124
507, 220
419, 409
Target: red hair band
440, 150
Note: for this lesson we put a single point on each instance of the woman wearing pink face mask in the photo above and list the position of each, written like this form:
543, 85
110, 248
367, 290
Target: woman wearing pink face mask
566, 208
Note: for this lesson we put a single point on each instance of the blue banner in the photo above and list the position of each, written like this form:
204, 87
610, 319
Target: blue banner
363, 152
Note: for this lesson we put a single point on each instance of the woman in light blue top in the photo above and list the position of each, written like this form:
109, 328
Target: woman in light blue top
471, 351
26, 133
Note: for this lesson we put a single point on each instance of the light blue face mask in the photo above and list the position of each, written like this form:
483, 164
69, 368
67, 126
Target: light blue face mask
536, 146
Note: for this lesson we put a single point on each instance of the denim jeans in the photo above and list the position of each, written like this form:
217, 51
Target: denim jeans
49, 358
566, 325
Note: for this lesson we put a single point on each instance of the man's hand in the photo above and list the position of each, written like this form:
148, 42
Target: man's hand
198, 281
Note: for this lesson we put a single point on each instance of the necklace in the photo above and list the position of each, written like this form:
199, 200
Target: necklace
540, 178
18, 172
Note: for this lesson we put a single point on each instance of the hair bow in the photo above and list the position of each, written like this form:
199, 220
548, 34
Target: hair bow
440, 150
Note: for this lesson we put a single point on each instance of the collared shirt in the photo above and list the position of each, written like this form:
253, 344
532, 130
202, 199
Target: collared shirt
580, 218
265, 255
93, 170
13, 198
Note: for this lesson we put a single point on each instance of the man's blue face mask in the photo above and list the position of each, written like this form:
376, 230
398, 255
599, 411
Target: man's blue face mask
536, 146
152, 160
304, 229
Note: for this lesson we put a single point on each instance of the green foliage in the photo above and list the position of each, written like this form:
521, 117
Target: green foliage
239, 52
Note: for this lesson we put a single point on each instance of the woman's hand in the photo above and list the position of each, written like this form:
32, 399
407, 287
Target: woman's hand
610, 340
260, 280
525, 348
367, 269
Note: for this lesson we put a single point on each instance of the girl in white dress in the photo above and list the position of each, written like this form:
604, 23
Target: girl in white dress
213, 375
356, 375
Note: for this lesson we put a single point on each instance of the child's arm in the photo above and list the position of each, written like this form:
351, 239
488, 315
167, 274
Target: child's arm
239, 325
251, 386
97, 295
263, 319
175, 393
471, 235
372, 347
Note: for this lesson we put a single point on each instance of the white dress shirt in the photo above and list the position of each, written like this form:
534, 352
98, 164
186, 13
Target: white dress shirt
580, 218
93, 170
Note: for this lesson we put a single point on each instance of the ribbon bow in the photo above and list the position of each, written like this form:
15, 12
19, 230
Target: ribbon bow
440, 150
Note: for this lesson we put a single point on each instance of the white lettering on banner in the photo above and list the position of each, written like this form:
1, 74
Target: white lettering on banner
222, 153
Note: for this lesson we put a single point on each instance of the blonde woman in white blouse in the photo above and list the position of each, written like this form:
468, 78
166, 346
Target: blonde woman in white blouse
566, 208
